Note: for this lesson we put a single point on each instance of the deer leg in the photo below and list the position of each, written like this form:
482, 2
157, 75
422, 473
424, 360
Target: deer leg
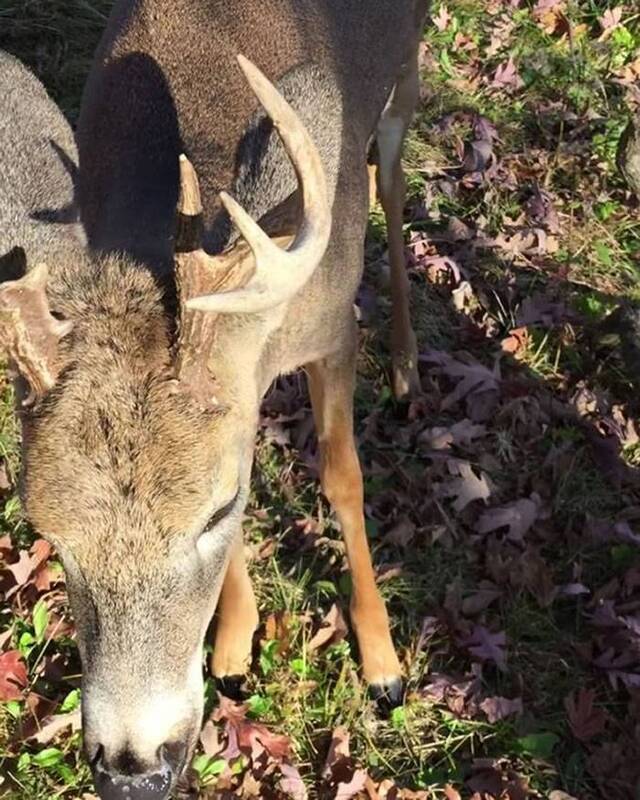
237, 620
331, 384
391, 131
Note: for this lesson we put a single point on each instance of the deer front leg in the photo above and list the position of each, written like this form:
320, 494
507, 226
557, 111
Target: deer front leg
331, 383
237, 621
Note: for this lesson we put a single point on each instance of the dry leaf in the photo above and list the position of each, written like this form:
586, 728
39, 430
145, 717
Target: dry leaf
518, 517
13, 676
345, 791
467, 487
461, 433
56, 724
497, 708
487, 646
291, 782
585, 720
333, 629
506, 76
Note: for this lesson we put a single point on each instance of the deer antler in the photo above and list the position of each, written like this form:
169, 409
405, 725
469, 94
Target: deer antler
279, 274
198, 273
28, 331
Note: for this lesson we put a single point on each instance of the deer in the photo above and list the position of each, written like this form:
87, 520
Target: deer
224, 202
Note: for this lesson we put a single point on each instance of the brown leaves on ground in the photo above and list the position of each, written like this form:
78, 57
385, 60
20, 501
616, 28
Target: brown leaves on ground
333, 629
341, 776
13, 676
478, 386
586, 720
491, 778
517, 516
268, 755
497, 708
27, 569
343, 779
466, 487
486, 646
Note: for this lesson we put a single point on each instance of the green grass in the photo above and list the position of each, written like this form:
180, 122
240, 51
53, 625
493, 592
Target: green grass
559, 130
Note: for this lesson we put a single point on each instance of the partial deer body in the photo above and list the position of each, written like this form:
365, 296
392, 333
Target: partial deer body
137, 461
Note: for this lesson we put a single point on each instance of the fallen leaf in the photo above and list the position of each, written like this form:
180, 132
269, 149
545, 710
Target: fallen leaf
461, 433
56, 724
22, 568
345, 791
13, 676
487, 646
540, 209
585, 720
442, 19
402, 533
467, 487
5, 483
438, 266
516, 341
246, 736
477, 155
333, 628
518, 517
291, 782
477, 385
603, 531
538, 309
483, 128
481, 599
537, 577
610, 20
506, 76
497, 708
339, 748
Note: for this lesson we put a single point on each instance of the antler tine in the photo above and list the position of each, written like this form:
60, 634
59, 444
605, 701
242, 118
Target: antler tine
189, 224
280, 274
195, 274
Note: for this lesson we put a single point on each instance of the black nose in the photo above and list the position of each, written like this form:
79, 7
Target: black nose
126, 779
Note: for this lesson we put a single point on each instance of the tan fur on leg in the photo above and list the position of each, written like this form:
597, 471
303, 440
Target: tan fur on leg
237, 619
331, 386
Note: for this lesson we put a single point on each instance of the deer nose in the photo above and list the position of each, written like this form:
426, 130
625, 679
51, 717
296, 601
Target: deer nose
126, 779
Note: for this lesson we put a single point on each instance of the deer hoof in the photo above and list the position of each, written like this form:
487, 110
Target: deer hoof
387, 695
232, 686
405, 378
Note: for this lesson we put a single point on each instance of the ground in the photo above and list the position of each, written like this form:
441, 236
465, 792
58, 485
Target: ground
503, 503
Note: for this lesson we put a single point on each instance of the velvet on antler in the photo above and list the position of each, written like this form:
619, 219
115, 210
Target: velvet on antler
29, 333
198, 273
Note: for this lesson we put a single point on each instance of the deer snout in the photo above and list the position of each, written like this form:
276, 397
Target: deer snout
125, 778
139, 747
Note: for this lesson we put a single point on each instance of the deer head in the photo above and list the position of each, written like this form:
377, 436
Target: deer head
137, 463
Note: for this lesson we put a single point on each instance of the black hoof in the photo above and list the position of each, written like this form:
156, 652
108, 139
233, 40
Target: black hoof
387, 696
232, 686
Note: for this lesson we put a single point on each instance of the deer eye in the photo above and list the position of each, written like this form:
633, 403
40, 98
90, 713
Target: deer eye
221, 513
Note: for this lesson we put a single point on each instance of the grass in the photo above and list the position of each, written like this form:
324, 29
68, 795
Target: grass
558, 129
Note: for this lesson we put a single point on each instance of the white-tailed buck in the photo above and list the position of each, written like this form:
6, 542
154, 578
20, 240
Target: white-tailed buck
147, 356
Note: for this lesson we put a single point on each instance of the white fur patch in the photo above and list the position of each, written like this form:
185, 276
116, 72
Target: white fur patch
144, 723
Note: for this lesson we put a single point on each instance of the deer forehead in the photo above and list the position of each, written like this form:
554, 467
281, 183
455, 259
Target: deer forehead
117, 463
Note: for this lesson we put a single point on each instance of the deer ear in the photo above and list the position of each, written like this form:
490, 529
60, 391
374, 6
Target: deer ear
29, 333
